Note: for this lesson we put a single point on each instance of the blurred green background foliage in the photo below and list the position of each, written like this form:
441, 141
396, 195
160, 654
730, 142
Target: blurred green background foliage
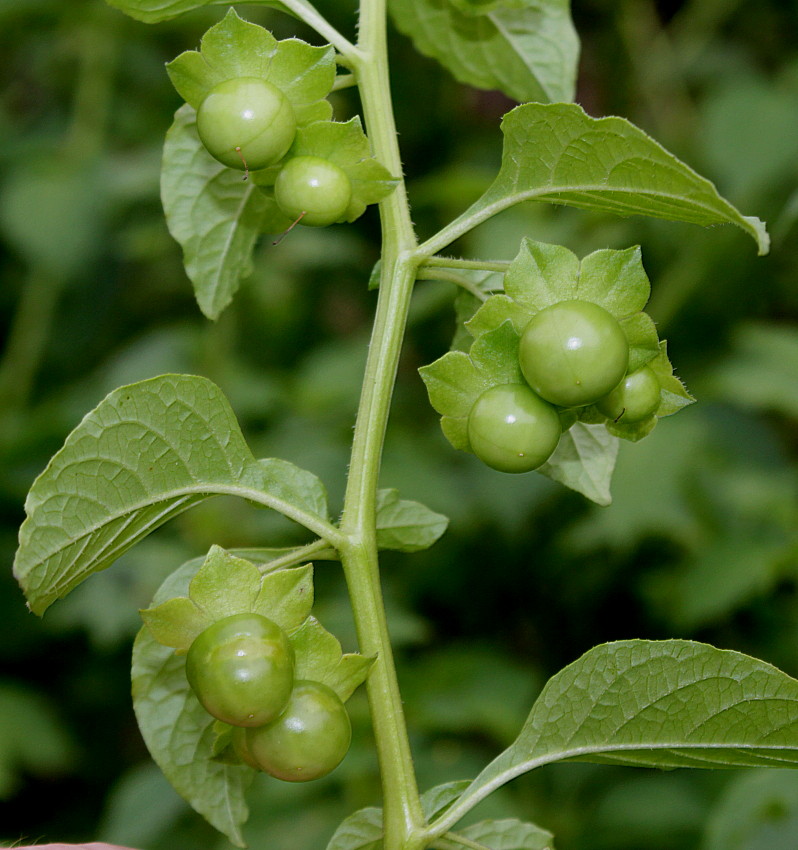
701, 540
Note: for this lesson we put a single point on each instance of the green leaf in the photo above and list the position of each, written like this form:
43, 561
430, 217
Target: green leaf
506, 834
320, 659
559, 154
526, 48
584, 461
406, 526
289, 484
213, 214
155, 11
360, 831
147, 452
180, 736
236, 48
664, 704
436, 800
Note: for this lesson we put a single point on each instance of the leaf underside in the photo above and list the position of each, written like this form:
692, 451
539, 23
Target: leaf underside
662, 704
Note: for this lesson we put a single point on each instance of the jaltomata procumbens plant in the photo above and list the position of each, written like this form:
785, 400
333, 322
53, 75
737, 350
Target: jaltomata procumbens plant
561, 361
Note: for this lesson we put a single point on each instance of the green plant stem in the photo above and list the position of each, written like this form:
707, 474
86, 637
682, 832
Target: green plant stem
457, 263
403, 818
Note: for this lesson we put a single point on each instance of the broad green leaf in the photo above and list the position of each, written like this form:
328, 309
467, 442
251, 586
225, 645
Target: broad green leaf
506, 834
155, 11
665, 704
557, 153
180, 737
213, 214
584, 461
404, 525
148, 452
289, 484
527, 49
236, 48
436, 800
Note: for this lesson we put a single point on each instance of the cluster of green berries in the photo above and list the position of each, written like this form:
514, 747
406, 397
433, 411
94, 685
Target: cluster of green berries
572, 354
249, 124
241, 669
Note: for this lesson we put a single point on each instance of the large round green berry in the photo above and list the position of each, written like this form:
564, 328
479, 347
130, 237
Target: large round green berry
636, 398
313, 188
573, 353
512, 429
241, 669
246, 123
307, 741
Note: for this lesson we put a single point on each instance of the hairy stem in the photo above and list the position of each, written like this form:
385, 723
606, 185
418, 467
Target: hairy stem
403, 818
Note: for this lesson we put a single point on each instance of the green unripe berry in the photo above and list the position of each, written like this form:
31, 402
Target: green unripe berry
314, 188
241, 669
512, 429
246, 123
572, 353
636, 398
307, 741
